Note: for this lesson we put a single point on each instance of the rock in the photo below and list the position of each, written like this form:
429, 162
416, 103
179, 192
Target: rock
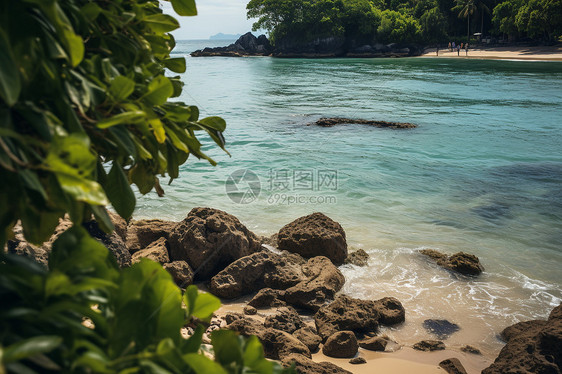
243, 276
452, 366
329, 122
112, 241
323, 281
357, 258
286, 319
314, 235
250, 310
181, 273
277, 344
342, 344
357, 361
375, 343
305, 365
532, 347
308, 337
346, 313
21, 247
391, 311
429, 345
141, 233
460, 262
441, 328
156, 251
470, 349
267, 297
209, 240
269, 240
246, 45
286, 272
120, 225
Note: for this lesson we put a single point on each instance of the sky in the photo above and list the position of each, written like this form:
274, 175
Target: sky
214, 16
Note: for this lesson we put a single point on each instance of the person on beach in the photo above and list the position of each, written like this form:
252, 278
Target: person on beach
458, 50
462, 44
450, 49
453, 47
466, 48
437, 51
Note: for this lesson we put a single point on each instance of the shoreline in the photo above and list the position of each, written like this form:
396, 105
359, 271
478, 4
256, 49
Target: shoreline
501, 53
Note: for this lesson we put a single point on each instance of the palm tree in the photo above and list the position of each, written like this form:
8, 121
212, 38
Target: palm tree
465, 9
483, 9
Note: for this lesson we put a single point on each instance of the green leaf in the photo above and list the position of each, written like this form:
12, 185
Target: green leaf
126, 118
205, 305
82, 189
90, 11
10, 84
176, 64
203, 365
184, 7
121, 87
189, 297
158, 129
30, 347
119, 191
159, 90
161, 23
142, 177
74, 46
227, 348
215, 123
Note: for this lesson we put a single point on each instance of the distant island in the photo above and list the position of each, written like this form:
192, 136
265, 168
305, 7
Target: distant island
221, 36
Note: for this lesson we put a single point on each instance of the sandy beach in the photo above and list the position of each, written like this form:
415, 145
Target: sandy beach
542, 53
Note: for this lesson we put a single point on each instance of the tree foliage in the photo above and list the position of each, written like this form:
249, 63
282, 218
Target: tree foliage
85, 110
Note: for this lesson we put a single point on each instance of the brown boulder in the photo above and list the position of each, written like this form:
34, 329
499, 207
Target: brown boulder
357, 361
314, 235
304, 365
309, 337
358, 258
342, 344
120, 225
285, 319
429, 345
156, 251
390, 310
181, 273
243, 276
460, 262
209, 240
452, 366
376, 343
346, 313
112, 241
323, 281
470, 349
250, 310
532, 347
143, 232
267, 297
286, 272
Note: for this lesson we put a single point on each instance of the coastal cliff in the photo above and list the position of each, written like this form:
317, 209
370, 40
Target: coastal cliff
250, 45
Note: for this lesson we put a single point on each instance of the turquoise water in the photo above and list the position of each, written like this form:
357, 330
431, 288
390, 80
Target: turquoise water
482, 173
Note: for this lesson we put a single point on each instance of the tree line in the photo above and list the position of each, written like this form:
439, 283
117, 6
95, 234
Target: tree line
407, 21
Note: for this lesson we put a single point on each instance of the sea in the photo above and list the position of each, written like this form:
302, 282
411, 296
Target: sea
481, 173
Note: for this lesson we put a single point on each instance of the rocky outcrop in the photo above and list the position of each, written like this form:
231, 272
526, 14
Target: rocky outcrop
250, 310
120, 225
308, 337
470, 349
357, 258
330, 46
181, 273
346, 313
460, 262
267, 297
329, 122
390, 310
376, 343
156, 251
323, 280
246, 45
143, 232
532, 347
342, 344
452, 366
209, 240
314, 235
287, 271
112, 241
304, 365
286, 319
429, 345
381, 50
441, 328
243, 276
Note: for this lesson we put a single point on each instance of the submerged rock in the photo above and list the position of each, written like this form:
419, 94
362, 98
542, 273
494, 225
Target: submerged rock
329, 122
532, 347
314, 235
209, 240
441, 328
460, 262
357, 258
429, 345
342, 344
470, 349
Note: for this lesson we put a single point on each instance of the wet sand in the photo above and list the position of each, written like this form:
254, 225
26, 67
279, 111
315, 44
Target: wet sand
553, 53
